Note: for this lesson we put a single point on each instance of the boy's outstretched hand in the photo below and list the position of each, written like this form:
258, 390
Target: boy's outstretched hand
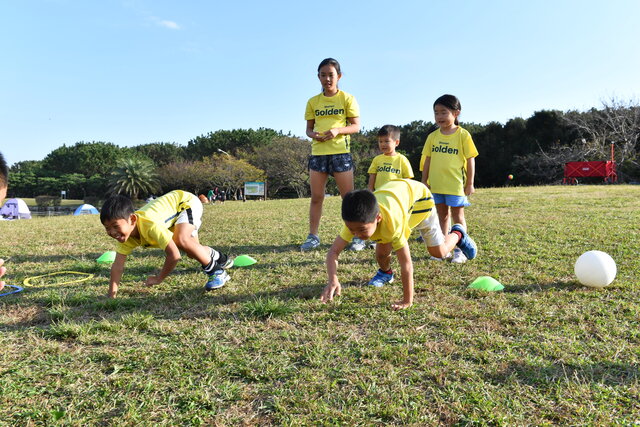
329, 291
400, 305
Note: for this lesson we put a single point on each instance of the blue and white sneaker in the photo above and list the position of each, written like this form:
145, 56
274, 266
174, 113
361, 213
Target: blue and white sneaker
466, 244
311, 243
357, 245
224, 262
380, 279
217, 279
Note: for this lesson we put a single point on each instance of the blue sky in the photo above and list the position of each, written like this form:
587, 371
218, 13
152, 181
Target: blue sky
139, 71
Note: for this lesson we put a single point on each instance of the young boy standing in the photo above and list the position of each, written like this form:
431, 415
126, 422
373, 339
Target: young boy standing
171, 223
387, 216
390, 164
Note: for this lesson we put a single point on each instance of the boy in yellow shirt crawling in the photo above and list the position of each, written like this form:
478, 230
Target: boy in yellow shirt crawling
387, 216
171, 223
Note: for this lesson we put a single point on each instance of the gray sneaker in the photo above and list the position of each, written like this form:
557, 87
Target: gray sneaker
311, 243
357, 245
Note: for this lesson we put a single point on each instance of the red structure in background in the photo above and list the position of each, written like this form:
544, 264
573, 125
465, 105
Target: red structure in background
604, 169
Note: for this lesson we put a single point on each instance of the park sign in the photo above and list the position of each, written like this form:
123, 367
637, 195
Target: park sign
254, 189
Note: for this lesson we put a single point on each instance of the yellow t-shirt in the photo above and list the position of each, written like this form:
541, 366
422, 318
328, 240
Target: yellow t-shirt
156, 221
404, 203
449, 154
387, 168
328, 113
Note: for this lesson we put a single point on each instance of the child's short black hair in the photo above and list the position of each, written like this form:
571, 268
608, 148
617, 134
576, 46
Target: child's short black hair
116, 207
390, 130
360, 206
4, 172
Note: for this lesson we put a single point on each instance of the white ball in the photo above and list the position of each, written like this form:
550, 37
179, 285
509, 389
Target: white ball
595, 269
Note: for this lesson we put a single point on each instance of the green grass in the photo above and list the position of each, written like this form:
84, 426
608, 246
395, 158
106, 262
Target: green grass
264, 351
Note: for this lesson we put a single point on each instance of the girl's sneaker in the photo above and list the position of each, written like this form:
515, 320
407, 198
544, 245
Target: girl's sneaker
311, 243
458, 257
380, 279
217, 279
433, 258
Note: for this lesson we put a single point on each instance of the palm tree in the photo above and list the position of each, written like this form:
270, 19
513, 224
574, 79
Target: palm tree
134, 177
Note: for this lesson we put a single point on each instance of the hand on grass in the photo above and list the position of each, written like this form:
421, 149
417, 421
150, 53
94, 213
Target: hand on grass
329, 291
401, 305
153, 280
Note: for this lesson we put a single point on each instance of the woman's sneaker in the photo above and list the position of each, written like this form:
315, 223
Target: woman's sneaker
217, 279
380, 279
311, 243
466, 244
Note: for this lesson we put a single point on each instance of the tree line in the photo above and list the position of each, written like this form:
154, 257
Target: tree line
533, 150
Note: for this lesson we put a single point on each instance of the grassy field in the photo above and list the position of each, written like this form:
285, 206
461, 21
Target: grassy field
264, 351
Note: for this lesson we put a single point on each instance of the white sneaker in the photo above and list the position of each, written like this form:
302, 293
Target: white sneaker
458, 257
447, 256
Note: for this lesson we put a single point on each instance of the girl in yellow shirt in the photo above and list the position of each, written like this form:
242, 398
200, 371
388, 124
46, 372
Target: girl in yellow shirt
331, 117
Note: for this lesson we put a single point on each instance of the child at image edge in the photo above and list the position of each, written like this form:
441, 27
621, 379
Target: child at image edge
448, 166
332, 116
171, 223
390, 164
387, 216
4, 183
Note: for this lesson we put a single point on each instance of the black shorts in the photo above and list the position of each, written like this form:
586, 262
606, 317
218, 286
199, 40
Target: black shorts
331, 163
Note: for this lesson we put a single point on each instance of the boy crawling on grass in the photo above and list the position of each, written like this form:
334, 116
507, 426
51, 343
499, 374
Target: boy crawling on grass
171, 223
387, 216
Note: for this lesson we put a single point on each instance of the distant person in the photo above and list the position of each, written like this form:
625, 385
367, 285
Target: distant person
222, 196
4, 185
171, 223
387, 216
390, 164
332, 116
448, 166
210, 195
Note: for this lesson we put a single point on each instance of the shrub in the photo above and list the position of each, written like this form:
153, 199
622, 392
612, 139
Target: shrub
47, 201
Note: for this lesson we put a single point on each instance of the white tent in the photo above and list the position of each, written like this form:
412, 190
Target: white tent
15, 208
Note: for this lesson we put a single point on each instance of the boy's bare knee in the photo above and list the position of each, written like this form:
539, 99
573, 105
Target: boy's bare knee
184, 242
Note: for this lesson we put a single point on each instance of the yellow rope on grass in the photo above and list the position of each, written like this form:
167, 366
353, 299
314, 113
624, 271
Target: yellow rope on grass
27, 281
